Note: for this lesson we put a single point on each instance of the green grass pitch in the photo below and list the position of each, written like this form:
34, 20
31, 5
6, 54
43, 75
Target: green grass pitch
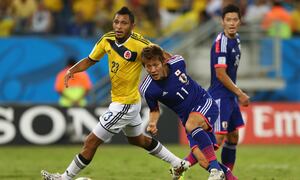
124, 162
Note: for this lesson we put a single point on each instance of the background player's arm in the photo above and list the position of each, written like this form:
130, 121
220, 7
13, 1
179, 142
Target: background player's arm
153, 120
227, 82
82, 65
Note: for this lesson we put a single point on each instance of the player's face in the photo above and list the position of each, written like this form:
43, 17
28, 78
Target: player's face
122, 26
231, 23
155, 68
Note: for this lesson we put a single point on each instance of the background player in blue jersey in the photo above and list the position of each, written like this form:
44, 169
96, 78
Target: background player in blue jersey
225, 58
169, 84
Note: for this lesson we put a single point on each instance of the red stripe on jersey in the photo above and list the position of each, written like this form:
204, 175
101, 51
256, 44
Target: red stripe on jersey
221, 132
218, 43
220, 65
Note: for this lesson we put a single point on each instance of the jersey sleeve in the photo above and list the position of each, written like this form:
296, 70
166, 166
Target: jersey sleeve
146, 91
99, 49
177, 60
151, 102
219, 52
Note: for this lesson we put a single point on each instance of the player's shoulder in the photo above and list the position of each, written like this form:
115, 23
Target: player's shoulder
221, 37
221, 43
146, 83
108, 35
139, 38
175, 59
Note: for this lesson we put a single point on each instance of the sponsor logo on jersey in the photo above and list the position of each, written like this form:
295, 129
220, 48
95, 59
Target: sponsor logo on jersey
164, 93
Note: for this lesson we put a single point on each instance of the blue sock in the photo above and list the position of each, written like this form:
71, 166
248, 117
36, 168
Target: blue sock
206, 147
228, 154
224, 168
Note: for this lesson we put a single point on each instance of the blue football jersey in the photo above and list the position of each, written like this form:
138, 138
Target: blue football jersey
178, 91
225, 52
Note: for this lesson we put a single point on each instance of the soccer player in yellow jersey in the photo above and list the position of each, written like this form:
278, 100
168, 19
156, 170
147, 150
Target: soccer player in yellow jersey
124, 49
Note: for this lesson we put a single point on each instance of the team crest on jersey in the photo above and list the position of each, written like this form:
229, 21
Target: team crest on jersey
183, 78
224, 125
127, 54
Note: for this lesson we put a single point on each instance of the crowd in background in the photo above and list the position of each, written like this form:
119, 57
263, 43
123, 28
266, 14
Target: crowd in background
154, 18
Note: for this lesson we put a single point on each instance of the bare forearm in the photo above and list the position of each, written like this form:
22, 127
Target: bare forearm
154, 117
82, 65
227, 82
243, 98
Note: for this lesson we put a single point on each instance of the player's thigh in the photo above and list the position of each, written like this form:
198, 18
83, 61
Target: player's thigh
115, 119
225, 106
236, 119
134, 127
203, 115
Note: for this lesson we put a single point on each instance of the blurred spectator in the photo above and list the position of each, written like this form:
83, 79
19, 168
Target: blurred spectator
255, 12
278, 21
87, 9
6, 20
22, 11
79, 27
56, 8
104, 14
169, 11
42, 20
243, 5
79, 86
296, 19
189, 18
148, 17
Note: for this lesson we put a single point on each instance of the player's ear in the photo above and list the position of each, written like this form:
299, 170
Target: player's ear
132, 25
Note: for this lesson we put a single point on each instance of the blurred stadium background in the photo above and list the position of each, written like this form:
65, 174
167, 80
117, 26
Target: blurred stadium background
37, 37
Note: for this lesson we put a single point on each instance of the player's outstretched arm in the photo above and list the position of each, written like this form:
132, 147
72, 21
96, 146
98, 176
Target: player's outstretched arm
153, 120
82, 65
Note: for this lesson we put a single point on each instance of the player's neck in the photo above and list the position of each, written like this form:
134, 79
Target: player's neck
122, 40
230, 36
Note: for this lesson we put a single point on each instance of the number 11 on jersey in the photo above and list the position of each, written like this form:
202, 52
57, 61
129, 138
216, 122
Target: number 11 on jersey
183, 91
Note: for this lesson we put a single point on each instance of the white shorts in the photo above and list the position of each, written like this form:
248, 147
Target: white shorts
125, 117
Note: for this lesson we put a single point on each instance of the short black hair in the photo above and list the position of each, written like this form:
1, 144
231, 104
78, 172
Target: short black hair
125, 11
231, 8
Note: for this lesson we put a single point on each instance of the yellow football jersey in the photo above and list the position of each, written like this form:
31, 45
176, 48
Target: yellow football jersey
125, 65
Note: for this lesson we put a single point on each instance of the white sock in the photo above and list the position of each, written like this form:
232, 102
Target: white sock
73, 169
163, 153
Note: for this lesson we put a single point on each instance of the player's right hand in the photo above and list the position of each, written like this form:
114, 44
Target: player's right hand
68, 76
152, 129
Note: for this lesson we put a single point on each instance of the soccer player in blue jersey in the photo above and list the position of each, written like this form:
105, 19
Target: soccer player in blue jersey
225, 58
169, 84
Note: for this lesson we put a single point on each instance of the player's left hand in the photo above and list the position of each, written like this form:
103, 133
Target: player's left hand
152, 129
244, 99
